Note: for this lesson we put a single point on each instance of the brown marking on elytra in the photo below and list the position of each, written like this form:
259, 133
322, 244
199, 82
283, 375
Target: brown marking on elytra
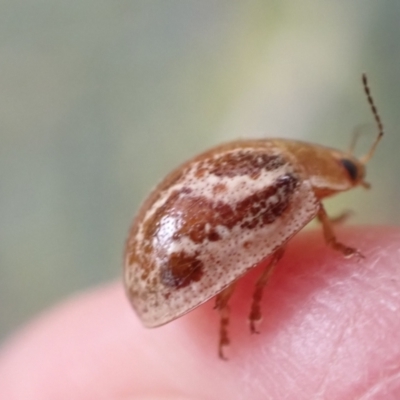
198, 213
181, 269
213, 236
198, 218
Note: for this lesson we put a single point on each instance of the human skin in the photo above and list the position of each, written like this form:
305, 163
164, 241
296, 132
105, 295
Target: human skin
331, 330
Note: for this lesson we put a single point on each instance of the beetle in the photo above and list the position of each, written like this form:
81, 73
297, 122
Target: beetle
223, 212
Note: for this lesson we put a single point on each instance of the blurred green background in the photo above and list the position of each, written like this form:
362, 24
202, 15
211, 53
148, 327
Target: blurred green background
98, 99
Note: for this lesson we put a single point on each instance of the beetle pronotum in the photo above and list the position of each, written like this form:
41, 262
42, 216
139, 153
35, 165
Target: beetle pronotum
226, 210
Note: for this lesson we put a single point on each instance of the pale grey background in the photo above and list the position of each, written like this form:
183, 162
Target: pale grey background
99, 99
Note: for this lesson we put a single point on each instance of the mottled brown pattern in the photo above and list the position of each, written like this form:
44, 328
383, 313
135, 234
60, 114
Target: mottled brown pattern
145, 247
249, 163
259, 210
198, 218
192, 214
174, 177
180, 269
198, 233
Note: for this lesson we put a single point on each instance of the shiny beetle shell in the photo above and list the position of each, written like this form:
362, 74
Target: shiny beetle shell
223, 212
220, 214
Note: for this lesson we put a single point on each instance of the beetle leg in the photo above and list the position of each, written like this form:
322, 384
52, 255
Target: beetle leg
255, 312
330, 236
221, 304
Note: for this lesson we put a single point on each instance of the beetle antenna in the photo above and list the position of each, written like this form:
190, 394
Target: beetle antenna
378, 120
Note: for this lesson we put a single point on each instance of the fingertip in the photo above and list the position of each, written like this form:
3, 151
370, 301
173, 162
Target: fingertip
329, 326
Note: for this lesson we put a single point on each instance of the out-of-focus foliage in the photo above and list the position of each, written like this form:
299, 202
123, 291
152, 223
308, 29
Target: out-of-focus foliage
98, 99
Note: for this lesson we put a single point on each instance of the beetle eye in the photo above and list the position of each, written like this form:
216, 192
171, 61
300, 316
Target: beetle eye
351, 168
